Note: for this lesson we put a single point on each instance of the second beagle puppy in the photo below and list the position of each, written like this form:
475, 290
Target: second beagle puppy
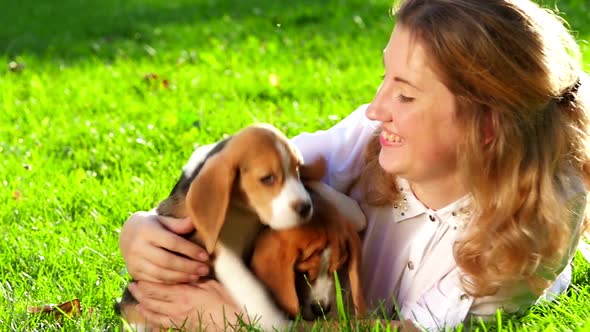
230, 190
298, 264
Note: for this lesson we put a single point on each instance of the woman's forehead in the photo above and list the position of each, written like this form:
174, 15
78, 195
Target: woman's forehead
406, 56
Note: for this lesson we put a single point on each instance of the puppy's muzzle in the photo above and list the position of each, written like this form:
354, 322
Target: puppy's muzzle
320, 310
315, 310
304, 209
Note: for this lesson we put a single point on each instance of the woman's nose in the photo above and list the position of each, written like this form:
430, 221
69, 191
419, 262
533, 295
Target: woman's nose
377, 110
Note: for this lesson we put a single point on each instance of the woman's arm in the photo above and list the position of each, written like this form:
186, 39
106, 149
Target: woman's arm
342, 146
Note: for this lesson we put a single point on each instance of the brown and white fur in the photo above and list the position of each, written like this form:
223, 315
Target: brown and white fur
230, 190
298, 264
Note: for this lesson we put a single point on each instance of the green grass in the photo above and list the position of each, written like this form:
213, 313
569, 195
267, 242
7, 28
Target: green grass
109, 98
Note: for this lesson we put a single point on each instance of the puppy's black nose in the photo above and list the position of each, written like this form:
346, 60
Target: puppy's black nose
304, 209
318, 310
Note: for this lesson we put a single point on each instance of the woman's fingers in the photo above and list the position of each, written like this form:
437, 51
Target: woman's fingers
152, 295
155, 318
151, 262
176, 243
203, 303
168, 300
170, 261
134, 230
178, 226
153, 251
157, 311
160, 320
149, 271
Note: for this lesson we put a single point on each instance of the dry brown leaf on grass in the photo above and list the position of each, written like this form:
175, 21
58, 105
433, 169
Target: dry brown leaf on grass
70, 308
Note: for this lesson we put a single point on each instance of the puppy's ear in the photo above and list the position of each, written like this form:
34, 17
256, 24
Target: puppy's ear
346, 252
273, 262
354, 254
312, 244
208, 197
313, 171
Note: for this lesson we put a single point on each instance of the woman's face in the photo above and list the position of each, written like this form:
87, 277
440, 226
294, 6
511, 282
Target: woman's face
417, 113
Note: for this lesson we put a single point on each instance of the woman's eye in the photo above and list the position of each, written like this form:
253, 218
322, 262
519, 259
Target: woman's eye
404, 99
268, 180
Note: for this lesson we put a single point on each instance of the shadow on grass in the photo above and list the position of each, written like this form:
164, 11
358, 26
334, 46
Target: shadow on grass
72, 29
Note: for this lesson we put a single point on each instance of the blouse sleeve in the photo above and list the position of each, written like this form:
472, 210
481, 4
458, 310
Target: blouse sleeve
575, 197
342, 146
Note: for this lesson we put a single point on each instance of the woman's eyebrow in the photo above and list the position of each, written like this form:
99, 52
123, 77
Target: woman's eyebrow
400, 79
403, 80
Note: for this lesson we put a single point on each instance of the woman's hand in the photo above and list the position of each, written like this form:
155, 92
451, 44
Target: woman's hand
148, 243
205, 305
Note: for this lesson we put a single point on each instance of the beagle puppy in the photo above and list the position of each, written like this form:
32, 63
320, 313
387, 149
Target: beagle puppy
230, 190
298, 264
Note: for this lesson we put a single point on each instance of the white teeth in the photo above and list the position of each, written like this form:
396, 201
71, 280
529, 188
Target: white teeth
391, 137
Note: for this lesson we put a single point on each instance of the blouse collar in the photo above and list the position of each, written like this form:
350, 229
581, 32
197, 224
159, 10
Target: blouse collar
456, 214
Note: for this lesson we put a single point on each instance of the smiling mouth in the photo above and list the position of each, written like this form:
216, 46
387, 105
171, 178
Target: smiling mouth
391, 137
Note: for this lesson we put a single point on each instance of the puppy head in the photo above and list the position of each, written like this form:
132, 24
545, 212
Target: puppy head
257, 169
276, 256
315, 285
298, 265
269, 180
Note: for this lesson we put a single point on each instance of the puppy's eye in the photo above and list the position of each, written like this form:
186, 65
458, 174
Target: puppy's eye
268, 180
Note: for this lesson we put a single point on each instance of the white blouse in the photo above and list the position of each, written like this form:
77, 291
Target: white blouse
409, 270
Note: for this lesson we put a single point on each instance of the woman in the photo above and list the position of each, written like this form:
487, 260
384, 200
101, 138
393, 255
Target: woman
470, 165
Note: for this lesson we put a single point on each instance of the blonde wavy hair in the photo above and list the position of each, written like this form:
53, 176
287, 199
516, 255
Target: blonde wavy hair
513, 67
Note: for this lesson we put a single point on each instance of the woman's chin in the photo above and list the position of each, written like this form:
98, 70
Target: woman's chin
390, 162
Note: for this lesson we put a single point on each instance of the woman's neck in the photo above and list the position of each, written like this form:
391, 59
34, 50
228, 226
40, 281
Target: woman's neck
438, 193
